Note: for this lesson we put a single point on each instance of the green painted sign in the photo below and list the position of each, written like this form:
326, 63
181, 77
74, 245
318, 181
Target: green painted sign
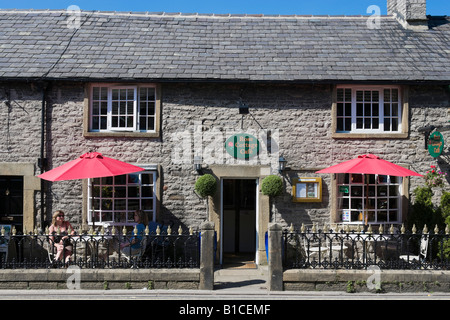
435, 144
242, 146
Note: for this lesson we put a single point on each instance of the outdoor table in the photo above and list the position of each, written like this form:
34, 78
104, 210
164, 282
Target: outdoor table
340, 248
98, 245
366, 241
325, 249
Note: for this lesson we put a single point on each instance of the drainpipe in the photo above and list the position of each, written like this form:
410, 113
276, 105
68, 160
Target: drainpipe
42, 163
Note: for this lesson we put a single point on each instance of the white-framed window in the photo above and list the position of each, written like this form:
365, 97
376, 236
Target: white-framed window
126, 108
367, 199
368, 109
113, 200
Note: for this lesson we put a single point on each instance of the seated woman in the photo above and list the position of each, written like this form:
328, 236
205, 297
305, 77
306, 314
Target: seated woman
133, 246
60, 237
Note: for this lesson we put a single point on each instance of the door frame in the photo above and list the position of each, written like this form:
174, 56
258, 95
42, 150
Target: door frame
19, 196
31, 185
258, 172
256, 215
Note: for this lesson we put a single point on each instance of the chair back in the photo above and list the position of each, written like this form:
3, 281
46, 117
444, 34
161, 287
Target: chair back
423, 250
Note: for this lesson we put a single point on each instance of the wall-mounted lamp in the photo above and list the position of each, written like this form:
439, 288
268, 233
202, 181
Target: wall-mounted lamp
426, 132
198, 164
243, 108
281, 164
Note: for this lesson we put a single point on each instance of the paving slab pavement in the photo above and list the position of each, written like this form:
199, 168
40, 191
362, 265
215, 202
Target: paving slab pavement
230, 284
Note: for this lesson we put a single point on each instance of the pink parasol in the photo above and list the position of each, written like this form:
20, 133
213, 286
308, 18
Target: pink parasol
370, 164
89, 165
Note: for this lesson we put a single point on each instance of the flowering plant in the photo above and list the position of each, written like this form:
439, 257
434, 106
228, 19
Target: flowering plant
434, 178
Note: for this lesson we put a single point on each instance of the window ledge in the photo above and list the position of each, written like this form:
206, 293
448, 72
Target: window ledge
369, 135
121, 134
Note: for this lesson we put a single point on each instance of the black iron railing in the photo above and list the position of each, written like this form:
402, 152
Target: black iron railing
357, 249
103, 250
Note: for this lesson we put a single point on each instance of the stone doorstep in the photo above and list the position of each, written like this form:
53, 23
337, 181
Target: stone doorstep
235, 275
254, 272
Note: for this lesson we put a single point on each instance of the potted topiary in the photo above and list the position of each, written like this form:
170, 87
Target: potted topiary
206, 186
272, 186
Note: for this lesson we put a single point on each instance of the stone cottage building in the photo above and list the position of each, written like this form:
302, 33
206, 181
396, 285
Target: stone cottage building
231, 94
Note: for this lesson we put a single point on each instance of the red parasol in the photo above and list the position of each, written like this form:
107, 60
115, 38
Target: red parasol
370, 164
89, 165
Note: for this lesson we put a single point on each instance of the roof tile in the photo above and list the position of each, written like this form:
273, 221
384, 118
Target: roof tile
36, 44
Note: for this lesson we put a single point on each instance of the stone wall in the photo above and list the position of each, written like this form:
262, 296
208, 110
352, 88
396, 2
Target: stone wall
309, 152
20, 122
299, 117
100, 279
354, 281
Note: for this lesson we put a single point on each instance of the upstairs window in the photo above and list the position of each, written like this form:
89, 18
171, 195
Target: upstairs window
126, 108
368, 110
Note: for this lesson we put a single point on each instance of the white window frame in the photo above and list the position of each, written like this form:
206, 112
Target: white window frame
373, 198
122, 114
136, 108
381, 116
113, 211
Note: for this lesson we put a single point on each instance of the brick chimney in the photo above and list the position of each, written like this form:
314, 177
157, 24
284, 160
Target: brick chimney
412, 14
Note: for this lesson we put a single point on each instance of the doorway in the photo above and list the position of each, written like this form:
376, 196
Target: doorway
11, 201
239, 209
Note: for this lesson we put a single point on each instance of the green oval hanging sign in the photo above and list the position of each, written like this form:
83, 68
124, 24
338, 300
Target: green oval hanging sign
435, 144
242, 146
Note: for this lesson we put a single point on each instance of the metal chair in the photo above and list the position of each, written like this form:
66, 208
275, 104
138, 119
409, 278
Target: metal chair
314, 247
423, 250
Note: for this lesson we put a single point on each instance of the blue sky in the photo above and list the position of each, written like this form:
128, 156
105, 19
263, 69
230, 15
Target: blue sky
317, 7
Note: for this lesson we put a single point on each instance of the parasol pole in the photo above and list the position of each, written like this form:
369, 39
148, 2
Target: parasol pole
91, 182
366, 209
92, 203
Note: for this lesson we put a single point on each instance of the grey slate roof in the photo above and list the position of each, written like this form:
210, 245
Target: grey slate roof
164, 47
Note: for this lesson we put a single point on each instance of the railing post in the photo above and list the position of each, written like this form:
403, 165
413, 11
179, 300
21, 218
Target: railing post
275, 258
207, 256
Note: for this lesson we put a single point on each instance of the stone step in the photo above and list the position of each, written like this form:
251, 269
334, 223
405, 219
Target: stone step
233, 276
256, 272
241, 279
